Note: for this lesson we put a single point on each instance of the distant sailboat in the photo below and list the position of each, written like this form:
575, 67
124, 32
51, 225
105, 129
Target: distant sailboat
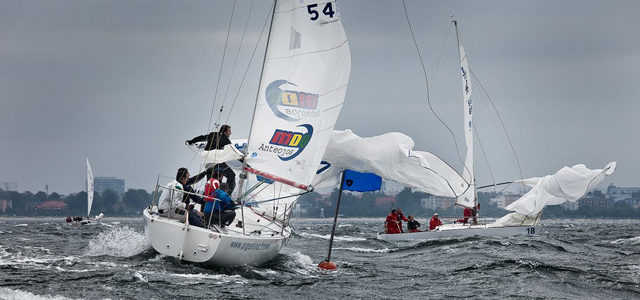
89, 189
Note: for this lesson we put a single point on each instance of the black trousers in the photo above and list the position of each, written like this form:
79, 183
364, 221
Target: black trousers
221, 219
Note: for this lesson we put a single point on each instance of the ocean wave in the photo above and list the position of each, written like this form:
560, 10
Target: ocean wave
21, 225
367, 250
118, 242
9, 294
300, 263
139, 276
628, 241
189, 279
335, 238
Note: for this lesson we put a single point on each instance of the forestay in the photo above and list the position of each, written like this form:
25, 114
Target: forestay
391, 157
301, 92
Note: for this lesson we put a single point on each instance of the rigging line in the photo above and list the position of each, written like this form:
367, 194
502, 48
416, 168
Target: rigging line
235, 61
226, 42
235, 99
435, 72
426, 79
501, 122
275, 199
483, 153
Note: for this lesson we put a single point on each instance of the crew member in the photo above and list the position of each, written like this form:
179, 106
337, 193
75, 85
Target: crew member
435, 222
391, 223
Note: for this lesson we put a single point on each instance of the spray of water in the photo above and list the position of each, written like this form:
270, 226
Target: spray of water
118, 242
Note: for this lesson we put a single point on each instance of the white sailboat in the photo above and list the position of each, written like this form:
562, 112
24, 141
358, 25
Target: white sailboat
302, 87
89, 188
568, 184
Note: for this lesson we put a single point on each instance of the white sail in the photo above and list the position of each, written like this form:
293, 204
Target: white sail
301, 92
390, 156
568, 184
468, 198
89, 188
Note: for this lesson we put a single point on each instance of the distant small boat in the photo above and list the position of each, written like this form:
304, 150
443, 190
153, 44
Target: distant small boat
87, 220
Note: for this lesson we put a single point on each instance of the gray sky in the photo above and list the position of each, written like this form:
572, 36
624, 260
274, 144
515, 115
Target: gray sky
126, 82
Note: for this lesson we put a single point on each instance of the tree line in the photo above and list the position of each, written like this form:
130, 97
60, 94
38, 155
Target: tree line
133, 201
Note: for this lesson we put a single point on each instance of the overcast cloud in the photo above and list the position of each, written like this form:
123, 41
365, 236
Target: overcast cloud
126, 82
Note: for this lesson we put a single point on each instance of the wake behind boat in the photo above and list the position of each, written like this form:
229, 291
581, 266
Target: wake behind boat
302, 87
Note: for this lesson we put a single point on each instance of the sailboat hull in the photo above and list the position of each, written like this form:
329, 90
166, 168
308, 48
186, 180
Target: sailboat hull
459, 230
209, 247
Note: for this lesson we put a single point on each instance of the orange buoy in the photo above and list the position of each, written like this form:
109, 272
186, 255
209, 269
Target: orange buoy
327, 265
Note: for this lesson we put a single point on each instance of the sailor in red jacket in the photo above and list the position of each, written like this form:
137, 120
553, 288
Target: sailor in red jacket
467, 214
435, 222
391, 223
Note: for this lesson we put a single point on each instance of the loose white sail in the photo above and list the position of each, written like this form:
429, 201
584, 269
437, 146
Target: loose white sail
391, 157
89, 188
568, 184
468, 198
301, 92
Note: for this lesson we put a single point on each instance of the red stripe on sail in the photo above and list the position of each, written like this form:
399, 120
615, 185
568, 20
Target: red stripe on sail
278, 179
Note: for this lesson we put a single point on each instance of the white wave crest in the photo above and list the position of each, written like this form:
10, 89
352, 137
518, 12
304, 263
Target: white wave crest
21, 225
628, 241
366, 250
335, 238
301, 263
120, 242
9, 294
139, 276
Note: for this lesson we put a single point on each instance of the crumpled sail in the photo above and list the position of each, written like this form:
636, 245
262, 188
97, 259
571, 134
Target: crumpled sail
301, 92
568, 184
468, 198
89, 188
391, 157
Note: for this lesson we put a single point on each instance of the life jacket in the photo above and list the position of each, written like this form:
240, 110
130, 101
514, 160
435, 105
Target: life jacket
211, 186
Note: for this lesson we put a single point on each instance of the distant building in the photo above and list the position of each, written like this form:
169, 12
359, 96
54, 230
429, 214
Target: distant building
101, 184
51, 205
435, 202
503, 200
622, 193
385, 201
9, 186
6, 204
596, 202
571, 205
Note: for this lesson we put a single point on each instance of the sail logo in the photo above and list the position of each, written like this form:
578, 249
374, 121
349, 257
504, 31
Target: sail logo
291, 105
288, 144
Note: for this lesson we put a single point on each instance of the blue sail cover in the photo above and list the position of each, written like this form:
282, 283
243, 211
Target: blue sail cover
361, 182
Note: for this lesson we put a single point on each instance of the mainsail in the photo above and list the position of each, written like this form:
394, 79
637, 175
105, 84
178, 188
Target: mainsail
302, 88
468, 198
89, 188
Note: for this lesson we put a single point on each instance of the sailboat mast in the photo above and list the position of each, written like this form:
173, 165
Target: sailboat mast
243, 174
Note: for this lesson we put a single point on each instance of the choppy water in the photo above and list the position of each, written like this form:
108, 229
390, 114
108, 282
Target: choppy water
572, 259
